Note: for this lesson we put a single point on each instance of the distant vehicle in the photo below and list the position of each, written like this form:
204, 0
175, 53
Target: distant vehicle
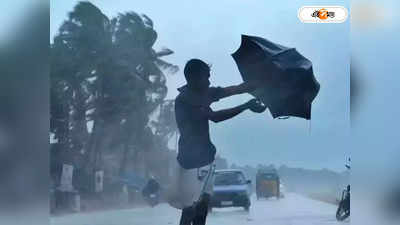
151, 192
343, 210
267, 184
230, 189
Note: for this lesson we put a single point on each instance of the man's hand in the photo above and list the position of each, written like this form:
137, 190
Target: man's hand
221, 115
256, 106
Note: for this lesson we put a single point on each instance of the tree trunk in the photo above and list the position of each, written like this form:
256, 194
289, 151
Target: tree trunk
92, 154
124, 159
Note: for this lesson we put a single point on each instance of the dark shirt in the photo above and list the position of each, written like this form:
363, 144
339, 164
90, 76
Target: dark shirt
191, 113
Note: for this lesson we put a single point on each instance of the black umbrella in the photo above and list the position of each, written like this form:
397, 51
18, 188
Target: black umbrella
287, 81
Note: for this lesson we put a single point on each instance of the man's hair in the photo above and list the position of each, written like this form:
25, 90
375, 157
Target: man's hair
193, 67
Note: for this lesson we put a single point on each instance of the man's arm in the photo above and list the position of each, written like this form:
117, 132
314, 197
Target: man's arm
238, 89
218, 116
225, 114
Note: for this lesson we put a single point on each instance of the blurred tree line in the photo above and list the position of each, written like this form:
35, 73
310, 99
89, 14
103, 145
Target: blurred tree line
108, 88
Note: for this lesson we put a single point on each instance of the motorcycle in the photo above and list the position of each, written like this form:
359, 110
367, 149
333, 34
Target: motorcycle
152, 199
151, 193
343, 210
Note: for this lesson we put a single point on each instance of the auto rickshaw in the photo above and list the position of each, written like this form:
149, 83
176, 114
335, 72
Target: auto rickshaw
267, 184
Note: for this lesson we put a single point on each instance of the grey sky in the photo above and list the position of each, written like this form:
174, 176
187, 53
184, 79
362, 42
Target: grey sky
210, 30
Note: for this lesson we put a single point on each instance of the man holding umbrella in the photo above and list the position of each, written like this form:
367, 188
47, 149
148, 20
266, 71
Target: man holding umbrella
196, 151
286, 85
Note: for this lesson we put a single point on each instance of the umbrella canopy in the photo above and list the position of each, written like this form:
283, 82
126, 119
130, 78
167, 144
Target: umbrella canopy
286, 78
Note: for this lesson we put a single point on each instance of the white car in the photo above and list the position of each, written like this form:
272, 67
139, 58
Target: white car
231, 189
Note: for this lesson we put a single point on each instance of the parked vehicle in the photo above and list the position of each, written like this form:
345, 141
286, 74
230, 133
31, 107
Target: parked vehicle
267, 184
230, 189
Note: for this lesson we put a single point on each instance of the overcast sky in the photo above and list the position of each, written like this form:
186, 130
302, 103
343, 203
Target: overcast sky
375, 47
210, 30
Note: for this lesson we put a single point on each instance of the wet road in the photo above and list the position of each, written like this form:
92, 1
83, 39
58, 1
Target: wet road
291, 210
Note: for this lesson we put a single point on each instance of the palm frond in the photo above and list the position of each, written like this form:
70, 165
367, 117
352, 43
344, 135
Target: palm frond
171, 68
147, 21
164, 52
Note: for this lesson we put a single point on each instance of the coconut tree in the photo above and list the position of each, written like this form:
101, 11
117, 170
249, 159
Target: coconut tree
106, 80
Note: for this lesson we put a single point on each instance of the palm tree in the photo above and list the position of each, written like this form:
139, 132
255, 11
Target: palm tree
106, 72
133, 40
